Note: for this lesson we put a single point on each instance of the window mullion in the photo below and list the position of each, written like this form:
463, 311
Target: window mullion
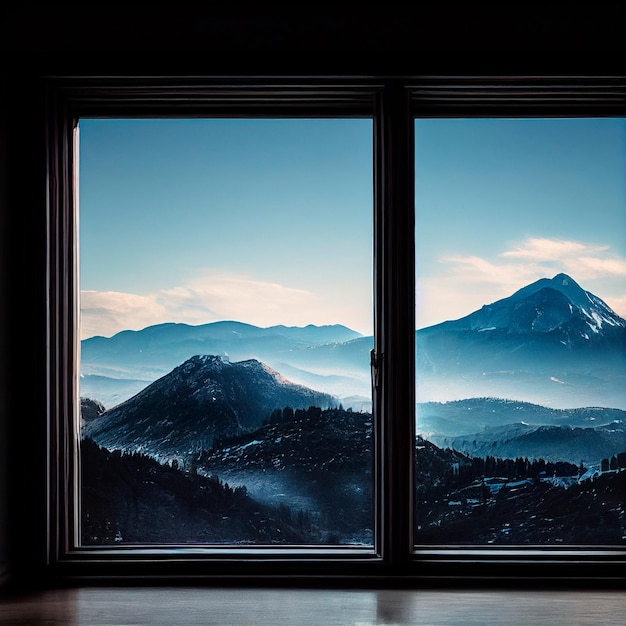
395, 323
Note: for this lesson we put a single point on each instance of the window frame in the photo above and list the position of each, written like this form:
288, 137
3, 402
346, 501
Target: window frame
563, 97
392, 103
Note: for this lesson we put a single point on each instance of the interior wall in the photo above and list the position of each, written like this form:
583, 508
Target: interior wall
271, 38
4, 479
265, 39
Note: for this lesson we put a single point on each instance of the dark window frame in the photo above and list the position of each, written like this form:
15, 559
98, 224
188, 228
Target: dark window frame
393, 104
508, 97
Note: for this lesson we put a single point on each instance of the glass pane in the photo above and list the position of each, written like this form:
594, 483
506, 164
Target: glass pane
521, 336
226, 324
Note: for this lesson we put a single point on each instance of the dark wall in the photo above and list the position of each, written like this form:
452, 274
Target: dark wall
3, 340
317, 37
265, 39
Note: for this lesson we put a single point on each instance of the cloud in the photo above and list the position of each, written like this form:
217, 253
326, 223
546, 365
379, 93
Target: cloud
205, 298
542, 249
465, 283
591, 267
107, 312
461, 285
618, 305
226, 296
584, 261
475, 269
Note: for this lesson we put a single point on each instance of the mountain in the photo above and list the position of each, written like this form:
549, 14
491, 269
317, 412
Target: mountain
115, 368
166, 345
204, 398
552, 443
110, 391
131, 498
315, 460
557, 307
509, 429
472, 415
471, 500
90, 409
550, 342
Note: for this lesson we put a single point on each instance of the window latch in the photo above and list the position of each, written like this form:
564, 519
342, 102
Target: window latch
375, 362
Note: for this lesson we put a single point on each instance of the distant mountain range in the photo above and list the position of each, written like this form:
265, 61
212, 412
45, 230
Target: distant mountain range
550, 343
510, 429
328, 358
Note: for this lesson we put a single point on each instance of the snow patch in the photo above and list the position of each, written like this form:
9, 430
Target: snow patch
256, 442
598, 318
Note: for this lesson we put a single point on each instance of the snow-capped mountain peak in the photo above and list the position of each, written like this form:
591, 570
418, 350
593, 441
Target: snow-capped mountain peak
547, 305
551, 342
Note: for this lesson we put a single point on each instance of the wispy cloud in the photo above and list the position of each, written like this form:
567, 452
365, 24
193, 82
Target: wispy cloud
589, 267
227, 296
210, 296
205, 298
475, 269
618, 304
107, 312
462, 285
465, 283
542, 249
584, 260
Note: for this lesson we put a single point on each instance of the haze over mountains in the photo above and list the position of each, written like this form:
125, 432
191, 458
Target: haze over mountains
550, 343
511, 429
220, 414
331, 359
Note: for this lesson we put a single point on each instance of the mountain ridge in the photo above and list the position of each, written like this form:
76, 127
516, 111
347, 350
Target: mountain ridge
550, 342
204, 398
560, 299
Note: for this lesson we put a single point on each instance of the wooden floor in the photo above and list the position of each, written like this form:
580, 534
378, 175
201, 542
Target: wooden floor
179, 606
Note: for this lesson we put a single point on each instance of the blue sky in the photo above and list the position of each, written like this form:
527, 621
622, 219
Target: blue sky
270, 221
262, 221
501, 203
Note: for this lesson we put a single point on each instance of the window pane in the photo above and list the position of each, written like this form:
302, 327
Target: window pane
226, 324
521, 337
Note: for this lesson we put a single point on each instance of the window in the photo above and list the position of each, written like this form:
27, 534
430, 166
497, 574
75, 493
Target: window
521, 331
393, 105
226, 330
